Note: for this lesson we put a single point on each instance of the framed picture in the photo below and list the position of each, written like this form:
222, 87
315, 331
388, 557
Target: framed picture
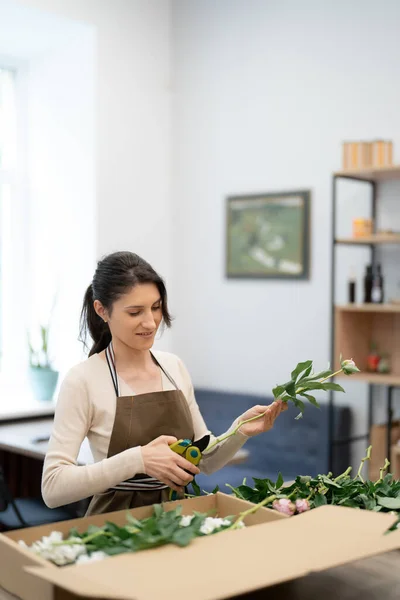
267, 236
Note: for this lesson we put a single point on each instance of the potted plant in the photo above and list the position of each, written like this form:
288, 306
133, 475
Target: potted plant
43, 377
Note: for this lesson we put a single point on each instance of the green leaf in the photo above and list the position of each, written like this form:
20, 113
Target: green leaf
278, 391
310, 398
74, 533
302, 366
299, 404
215, 490
196, 488
244, 492
390, 503
304, 375
317, 376
290, 388
311, 385
332, 386
120, 532
279, 481
158, 510
182, 537
327, 481
113, 550
319, 500
369, 503
349, 503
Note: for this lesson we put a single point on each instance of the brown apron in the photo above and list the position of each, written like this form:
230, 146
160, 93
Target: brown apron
138, 421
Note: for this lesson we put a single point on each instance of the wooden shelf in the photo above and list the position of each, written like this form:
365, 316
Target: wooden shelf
357, 326
378, 238
375, 378
371, 173
396, 450
369, 308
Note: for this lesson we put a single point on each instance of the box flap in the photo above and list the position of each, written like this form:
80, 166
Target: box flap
235, 562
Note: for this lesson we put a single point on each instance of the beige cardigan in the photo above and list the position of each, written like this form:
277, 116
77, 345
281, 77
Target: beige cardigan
86, 408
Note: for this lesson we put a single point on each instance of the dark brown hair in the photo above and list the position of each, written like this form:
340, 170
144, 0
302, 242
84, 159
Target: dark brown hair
115, 275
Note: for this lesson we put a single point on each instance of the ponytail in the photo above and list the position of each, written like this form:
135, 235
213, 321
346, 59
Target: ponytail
93, 324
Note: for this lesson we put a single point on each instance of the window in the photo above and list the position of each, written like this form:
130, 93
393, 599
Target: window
8, 152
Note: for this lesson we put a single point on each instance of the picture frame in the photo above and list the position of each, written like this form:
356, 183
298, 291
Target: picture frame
268, 235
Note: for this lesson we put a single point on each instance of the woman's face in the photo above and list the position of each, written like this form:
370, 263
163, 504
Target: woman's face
135, 316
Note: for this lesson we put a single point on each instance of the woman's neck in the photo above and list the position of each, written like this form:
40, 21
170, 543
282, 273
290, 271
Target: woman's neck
126, 357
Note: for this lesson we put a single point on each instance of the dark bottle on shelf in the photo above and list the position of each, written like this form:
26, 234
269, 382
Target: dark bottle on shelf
377, 286
352, 287
368, 281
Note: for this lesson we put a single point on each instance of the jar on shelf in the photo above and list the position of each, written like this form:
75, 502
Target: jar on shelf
373, 359
362, 227
384, 364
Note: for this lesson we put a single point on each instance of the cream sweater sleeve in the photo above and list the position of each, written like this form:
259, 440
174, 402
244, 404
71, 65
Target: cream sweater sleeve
63, 480
221, 454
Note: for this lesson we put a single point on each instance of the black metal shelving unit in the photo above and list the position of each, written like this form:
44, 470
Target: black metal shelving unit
368, 177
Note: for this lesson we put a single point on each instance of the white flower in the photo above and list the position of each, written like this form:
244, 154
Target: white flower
50, 548
186, 520
85, 558
210, 524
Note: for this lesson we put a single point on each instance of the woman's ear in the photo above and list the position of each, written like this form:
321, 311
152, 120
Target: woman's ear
100, 310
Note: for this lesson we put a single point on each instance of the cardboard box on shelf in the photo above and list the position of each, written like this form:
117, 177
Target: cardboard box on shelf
272, 550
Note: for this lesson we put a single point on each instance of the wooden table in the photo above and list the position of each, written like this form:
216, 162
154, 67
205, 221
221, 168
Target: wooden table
376, 578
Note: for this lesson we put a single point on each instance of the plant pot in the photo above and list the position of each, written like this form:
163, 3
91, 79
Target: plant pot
44, 382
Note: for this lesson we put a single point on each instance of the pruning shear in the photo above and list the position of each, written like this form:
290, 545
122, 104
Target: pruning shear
190, 450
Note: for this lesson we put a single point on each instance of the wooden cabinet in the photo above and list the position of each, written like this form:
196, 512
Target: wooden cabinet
357, 326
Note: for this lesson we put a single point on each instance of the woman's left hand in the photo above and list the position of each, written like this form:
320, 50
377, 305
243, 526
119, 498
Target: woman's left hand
265, 422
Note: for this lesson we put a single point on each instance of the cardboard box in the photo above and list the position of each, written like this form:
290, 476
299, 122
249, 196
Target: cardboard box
271, 551
13, 558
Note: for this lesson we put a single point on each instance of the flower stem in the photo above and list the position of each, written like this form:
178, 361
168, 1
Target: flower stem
252, 510
367, 457
345, 474
84, 540
385, 466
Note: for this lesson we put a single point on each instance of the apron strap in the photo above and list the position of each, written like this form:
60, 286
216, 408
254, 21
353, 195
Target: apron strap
164, 371
110, 357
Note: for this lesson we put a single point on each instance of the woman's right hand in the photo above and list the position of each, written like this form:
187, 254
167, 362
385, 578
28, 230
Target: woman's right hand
166, 465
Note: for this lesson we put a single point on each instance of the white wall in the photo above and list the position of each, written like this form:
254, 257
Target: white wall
133, 122
265, 94
132, 135
63, 213
53, 243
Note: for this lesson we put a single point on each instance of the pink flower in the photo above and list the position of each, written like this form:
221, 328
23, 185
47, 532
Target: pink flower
349, 367
302, 505
285, 506
349, 362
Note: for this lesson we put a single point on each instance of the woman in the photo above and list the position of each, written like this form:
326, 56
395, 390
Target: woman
130, 402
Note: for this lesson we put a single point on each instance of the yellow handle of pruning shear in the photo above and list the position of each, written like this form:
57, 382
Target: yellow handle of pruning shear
191, 451
187, 450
